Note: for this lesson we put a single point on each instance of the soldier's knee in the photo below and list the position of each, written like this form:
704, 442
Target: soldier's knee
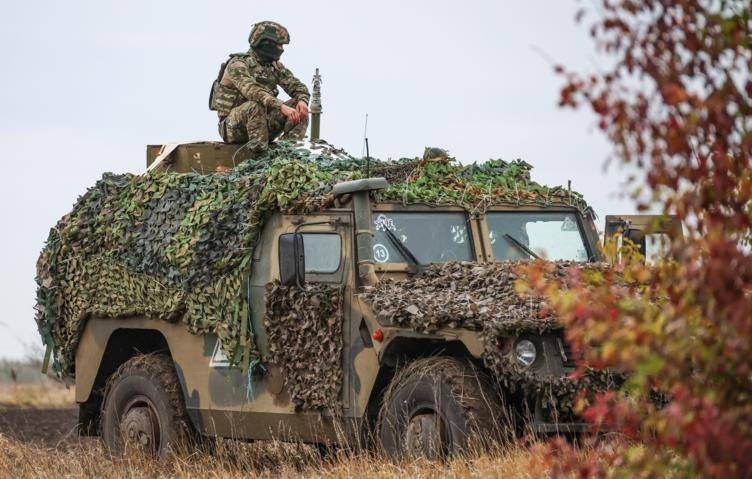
244, 111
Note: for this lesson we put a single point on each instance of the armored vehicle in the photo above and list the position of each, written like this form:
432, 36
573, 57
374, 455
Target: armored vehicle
365, 316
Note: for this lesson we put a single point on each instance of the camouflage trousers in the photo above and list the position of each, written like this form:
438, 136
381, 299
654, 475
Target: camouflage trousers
252, 122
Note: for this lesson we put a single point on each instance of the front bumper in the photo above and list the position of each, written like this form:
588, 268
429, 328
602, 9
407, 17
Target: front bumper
552, 402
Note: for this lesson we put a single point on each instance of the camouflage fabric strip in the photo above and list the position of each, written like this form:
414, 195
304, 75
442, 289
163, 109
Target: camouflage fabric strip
305, 340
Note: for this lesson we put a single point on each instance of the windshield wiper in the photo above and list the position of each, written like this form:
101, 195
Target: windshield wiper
520, 245
404, 251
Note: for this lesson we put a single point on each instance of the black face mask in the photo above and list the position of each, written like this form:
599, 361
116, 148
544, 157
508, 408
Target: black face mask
268, 52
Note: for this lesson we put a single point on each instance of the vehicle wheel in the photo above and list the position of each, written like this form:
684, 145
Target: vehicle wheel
144, 407
437, 407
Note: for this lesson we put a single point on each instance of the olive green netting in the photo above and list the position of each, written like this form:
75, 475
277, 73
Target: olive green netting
177, 246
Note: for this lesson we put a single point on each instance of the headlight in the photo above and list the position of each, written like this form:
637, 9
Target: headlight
525, 353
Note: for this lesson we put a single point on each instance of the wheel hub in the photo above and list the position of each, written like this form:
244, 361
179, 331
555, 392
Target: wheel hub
425, 436
140, 428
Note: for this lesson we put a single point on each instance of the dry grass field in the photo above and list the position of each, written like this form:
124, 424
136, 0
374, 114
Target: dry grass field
36, 396
37, 440
269, 459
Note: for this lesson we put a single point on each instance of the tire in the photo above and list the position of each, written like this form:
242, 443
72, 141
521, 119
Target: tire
144, 408
438, 407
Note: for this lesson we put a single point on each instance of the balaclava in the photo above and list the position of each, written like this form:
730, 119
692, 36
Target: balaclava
268, 51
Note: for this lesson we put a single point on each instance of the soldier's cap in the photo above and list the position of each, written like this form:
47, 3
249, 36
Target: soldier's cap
268, 30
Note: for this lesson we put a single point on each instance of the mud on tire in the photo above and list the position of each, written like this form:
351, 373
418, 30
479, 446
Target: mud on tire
144, 407
440, 406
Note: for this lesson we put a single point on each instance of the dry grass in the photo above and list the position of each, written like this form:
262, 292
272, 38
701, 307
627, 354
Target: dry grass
263, 459
39, 396
87, 457
71, 457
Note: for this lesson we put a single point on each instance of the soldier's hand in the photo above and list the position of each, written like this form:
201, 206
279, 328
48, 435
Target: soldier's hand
292, 114
302, 109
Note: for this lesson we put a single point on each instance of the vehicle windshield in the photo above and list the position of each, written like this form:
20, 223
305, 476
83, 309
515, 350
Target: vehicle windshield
429, 237
549, 235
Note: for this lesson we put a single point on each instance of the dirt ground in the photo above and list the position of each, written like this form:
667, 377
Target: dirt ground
40, 414
43, 427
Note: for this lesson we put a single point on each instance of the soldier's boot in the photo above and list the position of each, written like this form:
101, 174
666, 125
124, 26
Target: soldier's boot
295, 132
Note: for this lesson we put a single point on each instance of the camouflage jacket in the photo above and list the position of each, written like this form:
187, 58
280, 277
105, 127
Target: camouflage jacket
245, 78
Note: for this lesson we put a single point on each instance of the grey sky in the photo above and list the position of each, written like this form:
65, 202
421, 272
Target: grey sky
87, 84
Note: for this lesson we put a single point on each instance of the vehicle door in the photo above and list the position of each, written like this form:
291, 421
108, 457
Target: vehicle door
289, 351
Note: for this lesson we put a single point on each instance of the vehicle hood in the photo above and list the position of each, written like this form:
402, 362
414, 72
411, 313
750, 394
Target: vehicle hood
464, 295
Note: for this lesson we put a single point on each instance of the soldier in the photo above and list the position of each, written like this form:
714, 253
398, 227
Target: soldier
245, 93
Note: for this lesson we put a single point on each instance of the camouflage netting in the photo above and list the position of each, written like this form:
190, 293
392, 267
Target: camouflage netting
461, 294
176, 246
482, 297
305, 340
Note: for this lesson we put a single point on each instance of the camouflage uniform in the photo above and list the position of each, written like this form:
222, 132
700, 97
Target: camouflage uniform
245, 98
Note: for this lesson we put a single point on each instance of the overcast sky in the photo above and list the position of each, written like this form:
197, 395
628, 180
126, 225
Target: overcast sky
86, 85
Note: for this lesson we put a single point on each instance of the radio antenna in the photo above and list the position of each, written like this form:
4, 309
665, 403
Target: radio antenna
365, 148
368, 160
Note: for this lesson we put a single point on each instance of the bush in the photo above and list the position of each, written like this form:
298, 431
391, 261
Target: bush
675, 103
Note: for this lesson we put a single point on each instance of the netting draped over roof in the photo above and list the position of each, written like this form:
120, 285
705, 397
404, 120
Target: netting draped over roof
177, 246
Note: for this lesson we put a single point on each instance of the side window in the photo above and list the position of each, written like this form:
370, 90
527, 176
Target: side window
323, 252
323, 256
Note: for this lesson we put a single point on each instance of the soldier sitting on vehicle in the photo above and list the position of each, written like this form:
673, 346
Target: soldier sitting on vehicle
245, 93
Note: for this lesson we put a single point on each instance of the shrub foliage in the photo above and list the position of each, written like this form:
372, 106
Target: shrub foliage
675, 103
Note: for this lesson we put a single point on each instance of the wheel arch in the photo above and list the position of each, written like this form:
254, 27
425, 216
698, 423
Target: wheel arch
105, 345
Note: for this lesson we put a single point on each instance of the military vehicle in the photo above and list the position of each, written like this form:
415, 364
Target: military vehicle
366, 312
417, 391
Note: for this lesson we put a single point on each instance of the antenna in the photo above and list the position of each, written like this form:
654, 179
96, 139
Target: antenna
365, 147
365, 135
368, 161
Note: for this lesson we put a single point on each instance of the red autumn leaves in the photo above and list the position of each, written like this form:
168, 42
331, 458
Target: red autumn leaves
676, 103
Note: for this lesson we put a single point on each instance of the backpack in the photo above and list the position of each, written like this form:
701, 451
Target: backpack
221, 98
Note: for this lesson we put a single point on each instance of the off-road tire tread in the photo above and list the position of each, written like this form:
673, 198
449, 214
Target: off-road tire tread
482, 406
159, 367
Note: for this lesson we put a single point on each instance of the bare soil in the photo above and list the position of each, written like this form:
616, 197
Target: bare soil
43, 427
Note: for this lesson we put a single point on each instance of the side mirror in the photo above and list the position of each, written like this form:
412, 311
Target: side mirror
291, 260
